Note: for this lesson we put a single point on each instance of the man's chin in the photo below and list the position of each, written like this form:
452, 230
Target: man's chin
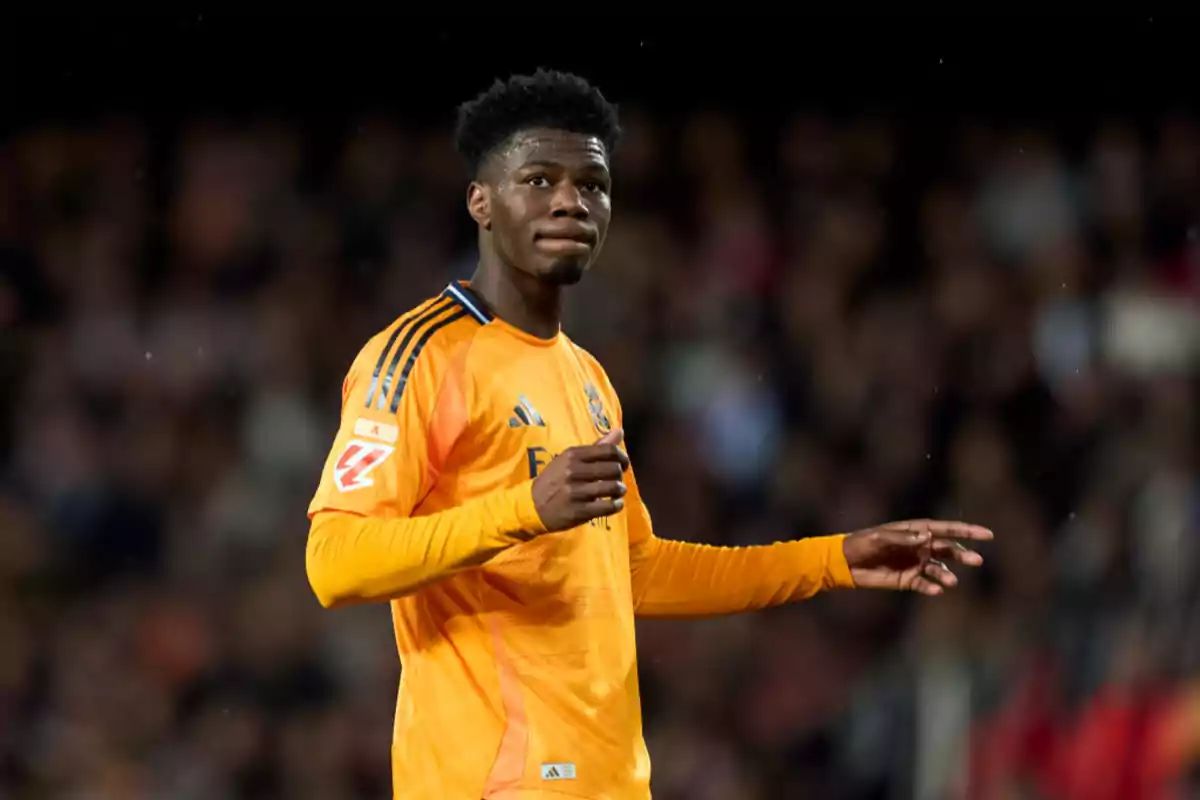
565, 272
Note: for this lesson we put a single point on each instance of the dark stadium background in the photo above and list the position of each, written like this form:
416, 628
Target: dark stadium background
861, 268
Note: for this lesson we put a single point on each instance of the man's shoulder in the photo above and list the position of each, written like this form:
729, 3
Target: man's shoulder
431, 331
589, 362
420, 344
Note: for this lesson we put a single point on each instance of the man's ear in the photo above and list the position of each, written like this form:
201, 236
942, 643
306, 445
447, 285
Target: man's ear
479, 204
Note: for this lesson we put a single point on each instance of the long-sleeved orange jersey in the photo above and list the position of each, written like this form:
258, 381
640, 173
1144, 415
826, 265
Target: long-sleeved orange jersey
519, 675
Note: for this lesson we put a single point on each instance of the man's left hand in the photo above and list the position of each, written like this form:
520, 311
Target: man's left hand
914, 555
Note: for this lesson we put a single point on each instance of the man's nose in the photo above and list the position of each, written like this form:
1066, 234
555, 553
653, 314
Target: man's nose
568, 202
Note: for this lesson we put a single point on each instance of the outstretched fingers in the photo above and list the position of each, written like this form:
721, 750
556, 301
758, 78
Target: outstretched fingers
934, 579
957, 552
943, 529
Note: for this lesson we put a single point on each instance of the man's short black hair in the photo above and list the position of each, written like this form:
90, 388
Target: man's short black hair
545, 99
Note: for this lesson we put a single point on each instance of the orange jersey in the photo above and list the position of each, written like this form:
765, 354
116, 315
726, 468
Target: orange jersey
519, 676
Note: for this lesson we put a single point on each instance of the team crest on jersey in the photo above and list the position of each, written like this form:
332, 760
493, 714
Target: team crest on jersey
596, 408
355, 464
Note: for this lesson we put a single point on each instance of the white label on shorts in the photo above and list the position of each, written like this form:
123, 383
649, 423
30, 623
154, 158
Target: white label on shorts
558, 772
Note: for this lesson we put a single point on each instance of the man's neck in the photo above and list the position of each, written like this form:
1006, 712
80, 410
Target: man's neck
519, 299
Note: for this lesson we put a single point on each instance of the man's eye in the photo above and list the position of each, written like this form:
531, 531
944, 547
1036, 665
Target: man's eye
537, 180
595, 186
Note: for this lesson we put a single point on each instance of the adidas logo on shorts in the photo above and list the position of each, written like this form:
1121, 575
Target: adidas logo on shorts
558, 772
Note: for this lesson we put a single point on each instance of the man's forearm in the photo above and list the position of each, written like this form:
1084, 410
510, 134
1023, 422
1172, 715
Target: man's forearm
353, 559
682, 579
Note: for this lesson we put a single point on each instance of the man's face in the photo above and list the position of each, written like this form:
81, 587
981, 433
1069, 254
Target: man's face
546, 197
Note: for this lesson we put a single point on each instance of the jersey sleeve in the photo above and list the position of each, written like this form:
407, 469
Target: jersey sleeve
393, 437
365, 543
684, 579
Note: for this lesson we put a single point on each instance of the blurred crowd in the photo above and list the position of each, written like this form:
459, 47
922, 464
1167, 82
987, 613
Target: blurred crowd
815, 327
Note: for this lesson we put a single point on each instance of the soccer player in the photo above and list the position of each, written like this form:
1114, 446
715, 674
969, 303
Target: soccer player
478, 484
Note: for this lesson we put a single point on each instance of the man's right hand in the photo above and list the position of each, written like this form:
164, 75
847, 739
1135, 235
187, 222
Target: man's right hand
582, 483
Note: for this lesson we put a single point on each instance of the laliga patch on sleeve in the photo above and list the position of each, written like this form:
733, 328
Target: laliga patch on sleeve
370, 429
354, 466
